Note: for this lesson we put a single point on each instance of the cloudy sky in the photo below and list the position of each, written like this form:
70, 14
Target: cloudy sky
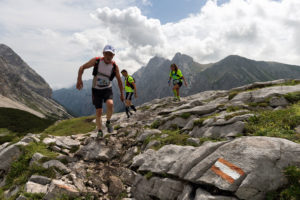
55, 37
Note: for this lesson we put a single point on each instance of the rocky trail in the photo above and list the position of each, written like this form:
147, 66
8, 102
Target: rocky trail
199, 148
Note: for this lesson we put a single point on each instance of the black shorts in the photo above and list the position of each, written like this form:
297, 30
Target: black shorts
100, 96
129, 95
179, 84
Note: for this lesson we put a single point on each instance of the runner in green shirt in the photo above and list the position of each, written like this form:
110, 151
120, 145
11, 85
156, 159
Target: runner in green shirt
177, 77
130, 89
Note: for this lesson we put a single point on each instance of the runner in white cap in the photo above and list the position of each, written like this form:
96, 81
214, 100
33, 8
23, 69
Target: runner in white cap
105, 69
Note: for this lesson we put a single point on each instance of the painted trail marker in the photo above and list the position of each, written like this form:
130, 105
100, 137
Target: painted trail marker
227, 170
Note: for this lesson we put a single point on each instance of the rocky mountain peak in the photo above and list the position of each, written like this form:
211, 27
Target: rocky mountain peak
181, 58
155, 62
24, 86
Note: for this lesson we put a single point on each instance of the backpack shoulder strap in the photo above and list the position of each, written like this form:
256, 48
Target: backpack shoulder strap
114, 71
95, 69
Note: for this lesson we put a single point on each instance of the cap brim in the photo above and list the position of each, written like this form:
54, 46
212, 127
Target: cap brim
109, 51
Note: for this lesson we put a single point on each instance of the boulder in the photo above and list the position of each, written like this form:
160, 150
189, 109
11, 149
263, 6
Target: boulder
278, 101
148, 132
247, 167
57, 164
96, 150
177, 122
244, 160
172, 159
156, 188
215, 132
49, 141
9, 155
58, 188
40, 179
36, 157
32, 187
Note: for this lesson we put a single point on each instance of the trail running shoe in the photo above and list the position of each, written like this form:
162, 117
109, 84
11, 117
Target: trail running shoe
109, 127
100, 134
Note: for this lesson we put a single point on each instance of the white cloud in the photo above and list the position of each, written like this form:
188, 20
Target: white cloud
257, 29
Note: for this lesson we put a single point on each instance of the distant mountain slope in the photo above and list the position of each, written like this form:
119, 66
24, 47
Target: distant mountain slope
77, 102
25, 88
152, 80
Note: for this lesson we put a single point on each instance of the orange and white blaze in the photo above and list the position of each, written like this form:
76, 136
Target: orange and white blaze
227, 170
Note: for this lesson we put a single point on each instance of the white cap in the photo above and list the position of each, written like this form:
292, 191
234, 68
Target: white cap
109, 48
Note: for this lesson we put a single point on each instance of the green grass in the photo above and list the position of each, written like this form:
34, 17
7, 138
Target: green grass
292, 97
18, 123
9, 136
232, 94
233, 108
72, 126
35, 196
292, 190
148, 175
20, 170
185, 115
117, 127
278, 123
144, 108
199, 122
258, 104
174, 137
155, 124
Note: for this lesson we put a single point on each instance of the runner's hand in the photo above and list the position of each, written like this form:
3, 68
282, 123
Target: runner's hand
135, 95
122, 97
79, 84
185, 84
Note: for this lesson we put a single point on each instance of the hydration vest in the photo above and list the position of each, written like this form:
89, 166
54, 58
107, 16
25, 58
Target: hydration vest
113, 71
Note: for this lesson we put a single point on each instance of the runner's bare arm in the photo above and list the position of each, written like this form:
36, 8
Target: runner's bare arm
185, 83
87, 65
135, 90
120, 83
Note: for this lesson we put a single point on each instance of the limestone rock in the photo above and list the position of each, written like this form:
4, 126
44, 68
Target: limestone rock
242, 161
147, 133
8, 155
203, 195
278, 101
57, 164
40, 179
96, 150
116, 186
32, 187
219, 131
166, 189
58, 188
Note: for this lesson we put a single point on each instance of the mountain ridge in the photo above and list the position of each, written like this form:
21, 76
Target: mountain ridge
230, 72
